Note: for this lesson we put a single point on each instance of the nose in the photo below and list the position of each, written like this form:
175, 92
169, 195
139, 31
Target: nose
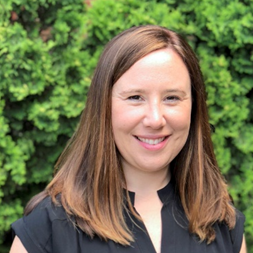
154, 116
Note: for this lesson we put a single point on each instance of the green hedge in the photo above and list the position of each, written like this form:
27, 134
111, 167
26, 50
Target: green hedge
48, 51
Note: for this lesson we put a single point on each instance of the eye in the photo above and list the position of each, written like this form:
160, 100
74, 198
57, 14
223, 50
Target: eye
172, 98
135, 97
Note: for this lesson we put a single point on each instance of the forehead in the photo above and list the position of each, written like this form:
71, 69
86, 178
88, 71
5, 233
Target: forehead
163, 66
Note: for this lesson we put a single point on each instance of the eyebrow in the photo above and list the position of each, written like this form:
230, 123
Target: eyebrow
130, 91
176, 90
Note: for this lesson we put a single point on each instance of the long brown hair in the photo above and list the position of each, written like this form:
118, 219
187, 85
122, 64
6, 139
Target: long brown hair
90, 178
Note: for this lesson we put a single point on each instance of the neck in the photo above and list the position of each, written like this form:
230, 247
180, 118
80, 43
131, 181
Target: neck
143, 182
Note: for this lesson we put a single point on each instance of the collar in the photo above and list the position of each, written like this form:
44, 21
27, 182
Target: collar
165, 194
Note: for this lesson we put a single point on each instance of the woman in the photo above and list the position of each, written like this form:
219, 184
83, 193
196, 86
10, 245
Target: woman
139, 174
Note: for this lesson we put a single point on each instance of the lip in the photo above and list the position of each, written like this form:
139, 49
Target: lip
153, 146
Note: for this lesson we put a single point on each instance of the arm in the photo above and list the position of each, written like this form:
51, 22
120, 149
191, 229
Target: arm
243, 248
18, 247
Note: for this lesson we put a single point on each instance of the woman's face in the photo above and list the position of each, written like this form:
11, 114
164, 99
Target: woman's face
151, 111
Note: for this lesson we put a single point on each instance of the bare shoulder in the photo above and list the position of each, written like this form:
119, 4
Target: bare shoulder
17, 246
243, 248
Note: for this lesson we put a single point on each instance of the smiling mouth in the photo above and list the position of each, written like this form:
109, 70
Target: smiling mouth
151, 141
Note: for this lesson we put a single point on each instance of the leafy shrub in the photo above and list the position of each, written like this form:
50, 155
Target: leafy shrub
48, 51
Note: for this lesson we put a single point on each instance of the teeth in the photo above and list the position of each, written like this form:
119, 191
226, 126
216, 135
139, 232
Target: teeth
151, 141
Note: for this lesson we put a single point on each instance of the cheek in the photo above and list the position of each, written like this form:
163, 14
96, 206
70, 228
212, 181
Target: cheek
116, 114
124, 118
120, 121
180, 120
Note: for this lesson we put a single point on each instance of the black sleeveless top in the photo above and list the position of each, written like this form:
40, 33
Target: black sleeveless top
47, 229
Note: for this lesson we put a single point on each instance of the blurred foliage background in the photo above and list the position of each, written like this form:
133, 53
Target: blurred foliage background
48, 51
